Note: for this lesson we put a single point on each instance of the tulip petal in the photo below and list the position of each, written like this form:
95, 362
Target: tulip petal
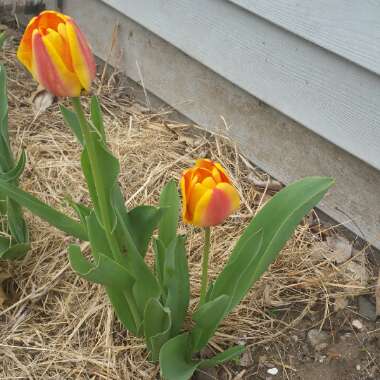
222, 172
196, 194
232, 194
82, 58
185, 216
24, 51
212, 208
49, 69
209, 182
61, 46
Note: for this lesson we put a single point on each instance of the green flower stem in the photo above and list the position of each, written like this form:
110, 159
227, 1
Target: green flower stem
102, 199
206, 253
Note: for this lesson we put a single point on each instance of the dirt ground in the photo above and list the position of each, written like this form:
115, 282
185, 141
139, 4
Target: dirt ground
312, 315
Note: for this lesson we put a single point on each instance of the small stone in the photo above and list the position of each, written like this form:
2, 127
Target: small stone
319, 340
358, 367
366, 308
322, 358
272, 371
357, 324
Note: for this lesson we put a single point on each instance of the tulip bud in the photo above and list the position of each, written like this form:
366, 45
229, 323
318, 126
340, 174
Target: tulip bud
56, 53
208, 197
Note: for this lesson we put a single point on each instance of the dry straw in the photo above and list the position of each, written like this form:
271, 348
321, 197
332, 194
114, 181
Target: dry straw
55, 325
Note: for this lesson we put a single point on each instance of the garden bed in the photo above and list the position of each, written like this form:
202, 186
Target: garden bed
54, 325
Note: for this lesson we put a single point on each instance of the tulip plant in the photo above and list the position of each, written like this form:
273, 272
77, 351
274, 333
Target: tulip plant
153, 302
14, 241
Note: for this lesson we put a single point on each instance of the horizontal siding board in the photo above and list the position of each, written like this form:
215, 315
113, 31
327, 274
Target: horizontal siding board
338, 100
349, 28
282, 147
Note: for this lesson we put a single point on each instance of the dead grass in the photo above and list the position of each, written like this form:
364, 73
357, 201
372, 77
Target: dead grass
57, 326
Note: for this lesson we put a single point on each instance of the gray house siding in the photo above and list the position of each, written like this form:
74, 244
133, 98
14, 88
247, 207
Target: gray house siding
328, 94
160, 48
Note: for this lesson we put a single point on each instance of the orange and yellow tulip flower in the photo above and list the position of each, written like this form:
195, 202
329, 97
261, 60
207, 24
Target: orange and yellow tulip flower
208, 197
57, 54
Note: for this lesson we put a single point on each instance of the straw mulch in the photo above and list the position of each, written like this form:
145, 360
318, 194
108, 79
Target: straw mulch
54, 325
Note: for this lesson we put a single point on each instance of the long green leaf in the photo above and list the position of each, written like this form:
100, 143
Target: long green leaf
52, 216
3, 102
175, 360
146, 285
141, 222
16, 222
235, 279
223, 357
14, 173
2, 39
97, 118
170, 203
72, 122
120, 299
207, 319
108, 171
277, 220
157, 324
120, 304
104, 271
6, 157
176, 283
14, 251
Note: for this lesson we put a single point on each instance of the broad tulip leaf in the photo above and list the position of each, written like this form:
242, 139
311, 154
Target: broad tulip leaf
146, 285
236, 277
277, 220
72, 122
157, 324
87, 172
175, 359
223, 357
82, 211
52, 216
176, 283
120, 298
104, 271
16, 171
3, 106
141, 222
170, 203
107, 171
3, 203
98, 238
16, 222
207, 319
97, 118
13, 251
159, 253
2, 39
6, 159
119, 301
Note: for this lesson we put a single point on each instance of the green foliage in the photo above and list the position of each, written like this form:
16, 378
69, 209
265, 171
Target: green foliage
2, 39
154, 304
256, 249
17, 244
